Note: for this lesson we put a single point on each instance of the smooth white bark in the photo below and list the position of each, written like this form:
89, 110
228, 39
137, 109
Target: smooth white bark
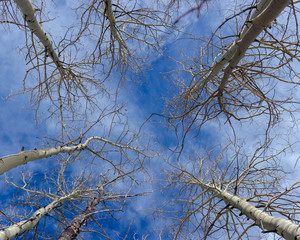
12, 161
22, 226
28, 11
265, 13
112, 22
285, 228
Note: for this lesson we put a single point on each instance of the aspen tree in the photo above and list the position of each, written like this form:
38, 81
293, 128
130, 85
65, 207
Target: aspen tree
232, 197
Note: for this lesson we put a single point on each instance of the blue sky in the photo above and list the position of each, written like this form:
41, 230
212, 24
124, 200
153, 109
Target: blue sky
18, 126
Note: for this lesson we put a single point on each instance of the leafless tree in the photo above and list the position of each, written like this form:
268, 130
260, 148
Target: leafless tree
64, 200
23, 157
56, 196
72, 74
237, 79
65, 76
240, 80
231, 195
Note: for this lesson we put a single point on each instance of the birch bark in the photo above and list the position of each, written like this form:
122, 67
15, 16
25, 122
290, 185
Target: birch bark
285, 228
28, 11
12, 161
266, 11
22, 226
112, 23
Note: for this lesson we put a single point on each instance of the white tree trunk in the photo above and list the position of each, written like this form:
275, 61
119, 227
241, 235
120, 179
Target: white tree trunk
266, 11
23, 157
22, 226
285, 228
28, 11
12, 161
112, 23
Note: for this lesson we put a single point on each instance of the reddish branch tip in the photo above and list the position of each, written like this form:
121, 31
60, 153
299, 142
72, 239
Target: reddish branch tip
198, 8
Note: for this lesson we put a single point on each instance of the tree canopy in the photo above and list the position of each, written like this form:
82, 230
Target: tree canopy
149, 119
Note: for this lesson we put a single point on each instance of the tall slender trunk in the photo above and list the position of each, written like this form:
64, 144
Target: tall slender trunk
285, 228
28, 11
112, 23
23, 157
72, 231
266, 11
25, 225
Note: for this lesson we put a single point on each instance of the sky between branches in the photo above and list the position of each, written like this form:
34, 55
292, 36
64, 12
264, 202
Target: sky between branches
17, 120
